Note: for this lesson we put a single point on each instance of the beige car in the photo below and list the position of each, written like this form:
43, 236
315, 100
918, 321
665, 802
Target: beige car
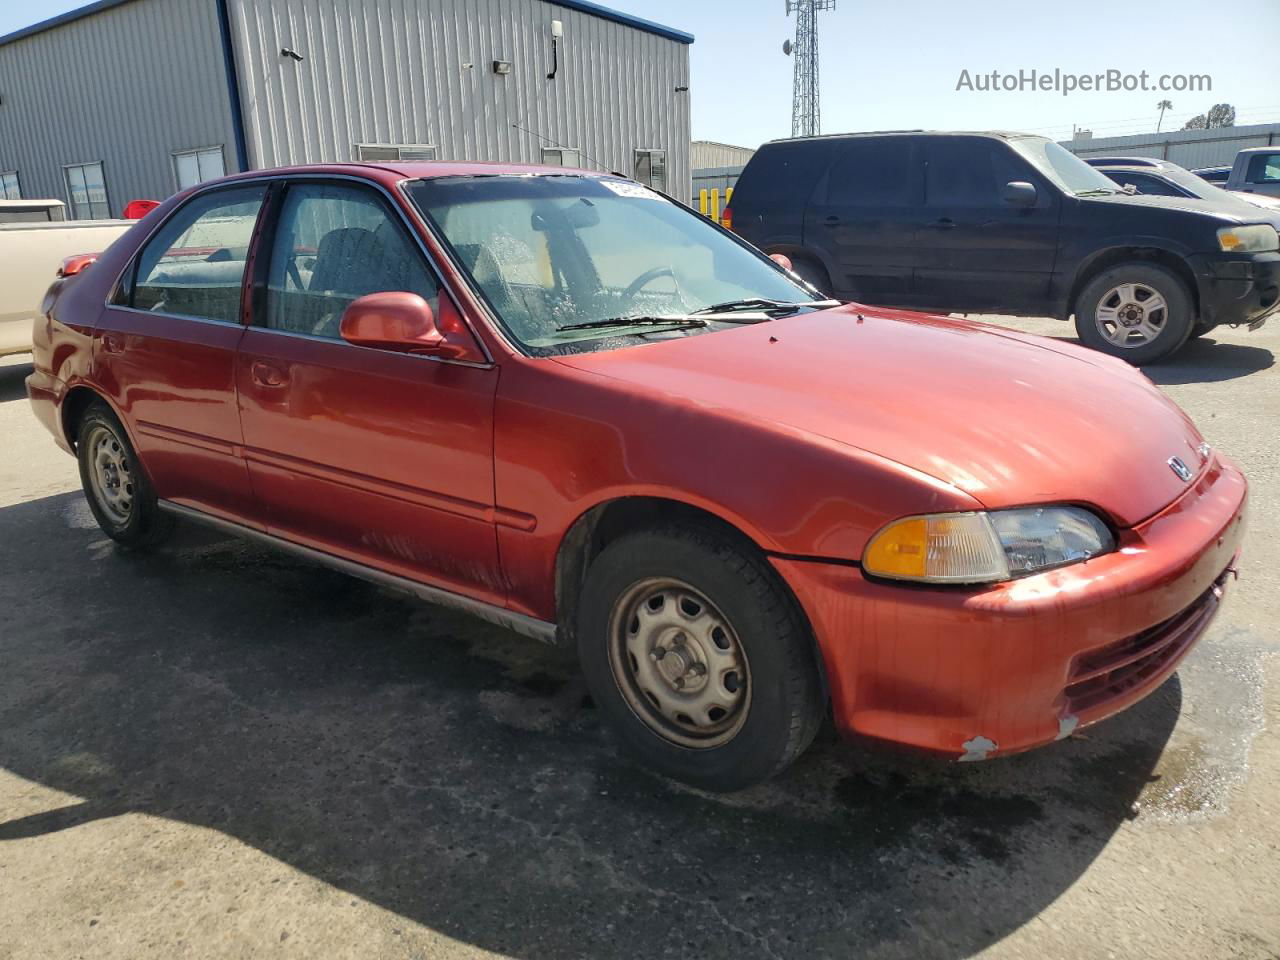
35, 237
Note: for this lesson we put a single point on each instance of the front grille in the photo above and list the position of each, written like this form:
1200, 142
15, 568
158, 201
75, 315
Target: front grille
1112, 671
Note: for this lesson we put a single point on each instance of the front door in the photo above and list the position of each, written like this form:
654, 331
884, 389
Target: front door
976, 251
381, 457
165, 351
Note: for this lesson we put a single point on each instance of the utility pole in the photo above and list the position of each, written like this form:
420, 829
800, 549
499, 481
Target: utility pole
806, 114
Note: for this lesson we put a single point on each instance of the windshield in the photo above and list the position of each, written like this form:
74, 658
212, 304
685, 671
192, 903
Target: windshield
1063, 167
573, 263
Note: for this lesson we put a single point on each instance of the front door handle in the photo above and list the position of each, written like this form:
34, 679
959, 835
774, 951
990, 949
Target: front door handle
112, 343
943, 223
267, 375
831, 222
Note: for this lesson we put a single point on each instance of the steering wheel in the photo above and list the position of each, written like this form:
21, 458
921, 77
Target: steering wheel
646, 278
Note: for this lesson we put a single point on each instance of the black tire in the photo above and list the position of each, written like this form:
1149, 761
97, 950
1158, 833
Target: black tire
131, 516
1200, 329
781, 699
812, 273
1175, 326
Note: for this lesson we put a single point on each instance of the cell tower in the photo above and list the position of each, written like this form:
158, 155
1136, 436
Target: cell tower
806, 115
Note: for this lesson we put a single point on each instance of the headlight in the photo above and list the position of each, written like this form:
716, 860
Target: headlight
1251, 238
985, 547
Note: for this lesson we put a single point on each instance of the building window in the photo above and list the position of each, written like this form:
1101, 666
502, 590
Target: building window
561, 157
87, 191
196, 166
384, 152
9, 189
651, 168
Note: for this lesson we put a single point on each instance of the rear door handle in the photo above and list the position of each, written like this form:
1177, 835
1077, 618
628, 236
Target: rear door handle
267, 375
831, 222
112, 343
943, 223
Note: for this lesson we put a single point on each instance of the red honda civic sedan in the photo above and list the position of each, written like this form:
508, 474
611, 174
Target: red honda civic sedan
562, 401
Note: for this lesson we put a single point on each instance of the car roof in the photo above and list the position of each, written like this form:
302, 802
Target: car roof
392, 172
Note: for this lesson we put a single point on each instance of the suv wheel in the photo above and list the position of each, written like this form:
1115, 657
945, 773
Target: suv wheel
812, 273
1139, 312
117, 488
698, 658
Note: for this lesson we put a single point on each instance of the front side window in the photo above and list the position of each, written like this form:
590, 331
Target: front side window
9, 188
196, 166
1264, 168
194, 265
335, 243
551, 253
651, 168
970, 173
87, 191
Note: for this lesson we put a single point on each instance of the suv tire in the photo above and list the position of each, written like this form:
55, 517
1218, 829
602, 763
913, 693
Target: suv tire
812, 273
1138, 311
678, 623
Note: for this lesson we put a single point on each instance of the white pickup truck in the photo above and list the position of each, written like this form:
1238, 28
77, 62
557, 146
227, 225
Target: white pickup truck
35, 238
1256, 170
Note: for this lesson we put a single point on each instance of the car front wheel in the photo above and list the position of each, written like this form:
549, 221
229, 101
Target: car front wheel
1139, 312
696, 655
117, 488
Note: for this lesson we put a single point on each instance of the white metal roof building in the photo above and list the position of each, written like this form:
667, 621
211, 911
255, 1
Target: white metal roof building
1188, 148
129, 99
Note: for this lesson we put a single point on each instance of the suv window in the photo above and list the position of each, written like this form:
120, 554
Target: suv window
968, 173
194, 265
1264, 168
333, 244
871, 173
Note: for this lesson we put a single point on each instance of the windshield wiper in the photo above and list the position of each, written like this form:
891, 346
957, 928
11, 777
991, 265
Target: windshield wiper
1096, 191
641, 321
764, 305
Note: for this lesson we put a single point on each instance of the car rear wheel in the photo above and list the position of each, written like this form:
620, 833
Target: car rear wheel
116, 486
696, 655
1139, 312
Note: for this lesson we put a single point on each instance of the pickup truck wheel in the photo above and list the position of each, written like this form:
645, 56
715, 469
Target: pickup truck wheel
698, 658
116, 486
1139, 312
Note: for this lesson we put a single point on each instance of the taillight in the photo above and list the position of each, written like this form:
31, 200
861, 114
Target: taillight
726, 219
76, 263
137, 209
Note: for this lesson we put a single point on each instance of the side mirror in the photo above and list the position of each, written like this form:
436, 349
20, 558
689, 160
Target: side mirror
76, 263
782, 260
1019, 193
397, 321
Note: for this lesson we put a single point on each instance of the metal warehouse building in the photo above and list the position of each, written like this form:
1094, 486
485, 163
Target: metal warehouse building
129, 99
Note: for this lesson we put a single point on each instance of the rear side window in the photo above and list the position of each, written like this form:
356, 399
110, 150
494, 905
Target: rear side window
333, 244
1264, 168
779, 179
194, 265
969, 173
871, 173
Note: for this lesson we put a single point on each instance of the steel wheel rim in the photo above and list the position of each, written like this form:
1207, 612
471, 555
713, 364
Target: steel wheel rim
679, 663
1131, 315
110, 477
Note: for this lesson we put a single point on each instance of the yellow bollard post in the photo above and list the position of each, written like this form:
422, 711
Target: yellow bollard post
702, 201
715, 204
728, 199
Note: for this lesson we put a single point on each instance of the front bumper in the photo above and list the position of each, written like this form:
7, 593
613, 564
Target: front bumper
1237, 288
972, 673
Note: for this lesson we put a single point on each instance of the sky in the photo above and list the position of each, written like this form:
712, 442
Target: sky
896, 65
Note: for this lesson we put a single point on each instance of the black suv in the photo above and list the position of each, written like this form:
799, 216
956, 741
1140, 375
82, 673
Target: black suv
1007, 223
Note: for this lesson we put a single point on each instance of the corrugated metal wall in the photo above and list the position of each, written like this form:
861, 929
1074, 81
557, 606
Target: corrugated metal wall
421, 71
1188, 148
126, 86
708, 153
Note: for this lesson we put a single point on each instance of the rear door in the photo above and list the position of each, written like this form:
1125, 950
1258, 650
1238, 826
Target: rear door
864, 217
976, 251
381, 457
165, 350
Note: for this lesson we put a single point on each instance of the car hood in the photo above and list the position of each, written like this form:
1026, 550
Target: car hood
1222, 210
1006, 417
